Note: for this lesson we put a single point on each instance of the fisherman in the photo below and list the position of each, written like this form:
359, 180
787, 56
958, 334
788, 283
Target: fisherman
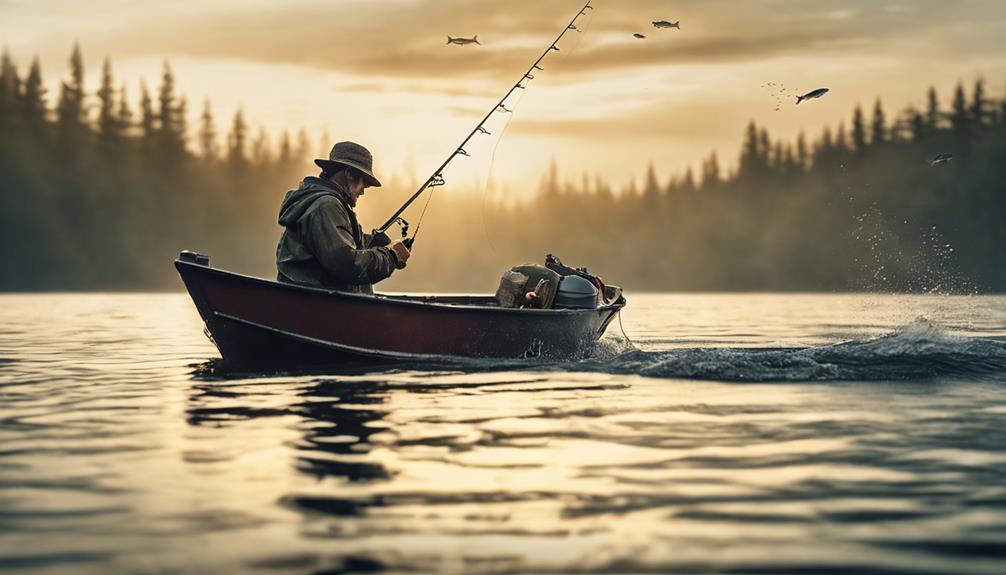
323, 245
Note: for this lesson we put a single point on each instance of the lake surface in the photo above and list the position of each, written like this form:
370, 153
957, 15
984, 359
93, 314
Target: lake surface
735, 434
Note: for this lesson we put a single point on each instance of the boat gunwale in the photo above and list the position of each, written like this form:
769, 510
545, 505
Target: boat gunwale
394, 299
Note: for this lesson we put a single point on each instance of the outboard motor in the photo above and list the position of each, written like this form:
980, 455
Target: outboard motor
194, 258
575, 292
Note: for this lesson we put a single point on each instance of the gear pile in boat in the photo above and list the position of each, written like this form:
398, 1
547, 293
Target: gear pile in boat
553, 285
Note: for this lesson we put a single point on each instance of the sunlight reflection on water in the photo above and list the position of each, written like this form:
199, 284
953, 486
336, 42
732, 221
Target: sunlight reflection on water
118, 455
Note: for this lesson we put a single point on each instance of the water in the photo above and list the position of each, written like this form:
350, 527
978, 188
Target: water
744, 434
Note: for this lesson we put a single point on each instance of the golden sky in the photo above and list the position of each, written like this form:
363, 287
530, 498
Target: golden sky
379, 72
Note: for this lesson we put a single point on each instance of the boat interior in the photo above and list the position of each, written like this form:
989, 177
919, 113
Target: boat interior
612, 295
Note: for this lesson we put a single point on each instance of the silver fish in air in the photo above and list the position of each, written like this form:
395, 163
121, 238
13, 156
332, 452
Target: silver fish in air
462, 41
814, 94
941, 158
666, 24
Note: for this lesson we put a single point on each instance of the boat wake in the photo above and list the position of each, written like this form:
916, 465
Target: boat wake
920, 350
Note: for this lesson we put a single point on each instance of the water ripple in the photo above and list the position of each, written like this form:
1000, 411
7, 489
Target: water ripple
125, 448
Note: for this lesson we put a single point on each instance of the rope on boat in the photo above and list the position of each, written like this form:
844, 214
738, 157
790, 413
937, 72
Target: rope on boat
620, 327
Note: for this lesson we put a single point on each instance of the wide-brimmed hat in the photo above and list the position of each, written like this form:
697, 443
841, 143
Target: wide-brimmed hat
355, 156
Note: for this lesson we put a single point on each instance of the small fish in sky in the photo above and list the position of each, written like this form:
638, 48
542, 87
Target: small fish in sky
777, 90
941, 158
666, 24
813, 94
639, 36
464, 41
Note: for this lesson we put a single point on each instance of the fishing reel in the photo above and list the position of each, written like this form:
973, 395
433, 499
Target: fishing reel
404, 226
380, 239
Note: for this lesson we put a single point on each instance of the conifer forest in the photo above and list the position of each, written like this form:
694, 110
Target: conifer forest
101, 193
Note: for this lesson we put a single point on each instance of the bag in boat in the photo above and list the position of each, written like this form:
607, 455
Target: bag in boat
528, 286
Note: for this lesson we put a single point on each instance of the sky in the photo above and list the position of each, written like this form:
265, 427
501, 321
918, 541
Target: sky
380, 72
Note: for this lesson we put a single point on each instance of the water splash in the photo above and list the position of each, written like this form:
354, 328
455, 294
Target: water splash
905, 255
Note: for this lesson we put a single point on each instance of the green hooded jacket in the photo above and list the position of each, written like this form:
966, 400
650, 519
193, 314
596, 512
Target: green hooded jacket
323, 245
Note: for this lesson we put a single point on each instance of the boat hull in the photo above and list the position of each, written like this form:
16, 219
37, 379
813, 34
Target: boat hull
256, 321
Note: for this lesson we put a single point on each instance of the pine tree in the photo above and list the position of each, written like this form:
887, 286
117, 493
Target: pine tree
550, 185
10, 88
148, 121
777, 159
711, 171
916, 126
601, 188
789, 160
326, 143
1002, 112
764, 148
285, 151
651, 191
688, 184
632, 191
841, 141
124, 116
109, 130
181, 122
303, 149
932, 111
802, 154
858, 131
878, 127
749, 151
826, 139
70, 109
237, 140
208, 148
978, 103
959, 114
260, 152
170, 114
32, 106
672, 191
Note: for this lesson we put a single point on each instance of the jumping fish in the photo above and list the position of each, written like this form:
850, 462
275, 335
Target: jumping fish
814, 94
941, 158
462, 41
666, 24
640, 36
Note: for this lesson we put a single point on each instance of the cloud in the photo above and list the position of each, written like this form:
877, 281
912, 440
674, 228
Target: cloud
650, 121
406, 39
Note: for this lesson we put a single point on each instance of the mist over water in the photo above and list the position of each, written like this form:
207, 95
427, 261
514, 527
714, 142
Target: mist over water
733, 433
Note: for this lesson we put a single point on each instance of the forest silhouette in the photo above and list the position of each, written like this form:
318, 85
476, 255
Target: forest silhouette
97, 195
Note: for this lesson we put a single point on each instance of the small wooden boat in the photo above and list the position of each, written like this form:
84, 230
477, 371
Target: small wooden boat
255, 321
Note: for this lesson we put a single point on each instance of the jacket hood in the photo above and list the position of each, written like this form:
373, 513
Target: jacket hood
297, 202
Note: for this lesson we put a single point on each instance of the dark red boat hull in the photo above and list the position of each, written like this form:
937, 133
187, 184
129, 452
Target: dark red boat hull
256, 321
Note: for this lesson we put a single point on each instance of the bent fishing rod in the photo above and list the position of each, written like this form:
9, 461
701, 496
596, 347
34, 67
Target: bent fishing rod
437, 179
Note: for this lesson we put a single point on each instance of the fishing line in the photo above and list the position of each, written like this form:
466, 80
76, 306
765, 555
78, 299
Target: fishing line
437, 179
419, 224
489, 175
563, 55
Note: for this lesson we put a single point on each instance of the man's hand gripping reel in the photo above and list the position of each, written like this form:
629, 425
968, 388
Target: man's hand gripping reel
379, 239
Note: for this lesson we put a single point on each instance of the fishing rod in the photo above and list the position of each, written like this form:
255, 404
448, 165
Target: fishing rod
437, 179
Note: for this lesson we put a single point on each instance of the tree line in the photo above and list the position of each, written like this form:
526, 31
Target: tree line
97, 195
